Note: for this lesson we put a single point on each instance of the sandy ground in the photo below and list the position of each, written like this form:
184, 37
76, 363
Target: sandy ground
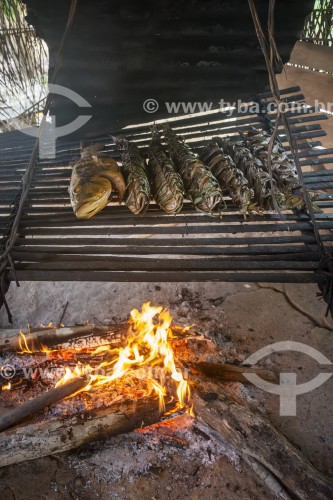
242, 318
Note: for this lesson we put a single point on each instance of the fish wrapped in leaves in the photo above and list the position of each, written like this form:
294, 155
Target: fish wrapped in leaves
229, 177
283, 171
93, 179
201, 187
135, 172
259, 180
167, 185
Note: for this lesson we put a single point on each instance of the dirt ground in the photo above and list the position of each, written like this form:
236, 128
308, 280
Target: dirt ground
241, 318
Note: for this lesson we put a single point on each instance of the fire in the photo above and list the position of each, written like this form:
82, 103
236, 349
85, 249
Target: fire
148, 355
148, 347
6, 387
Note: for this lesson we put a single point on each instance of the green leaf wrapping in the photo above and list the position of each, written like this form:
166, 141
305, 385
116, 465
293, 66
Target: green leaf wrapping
201, 187
284, 172
167, 185
229, 176
258, 179
137, 184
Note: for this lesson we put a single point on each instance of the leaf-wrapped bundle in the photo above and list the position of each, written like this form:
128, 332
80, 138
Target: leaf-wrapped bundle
200, 185
167, 185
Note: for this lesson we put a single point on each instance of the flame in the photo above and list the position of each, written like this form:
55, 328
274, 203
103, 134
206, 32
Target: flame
150, 346
23, 345
6, 387
25, 348
161, 392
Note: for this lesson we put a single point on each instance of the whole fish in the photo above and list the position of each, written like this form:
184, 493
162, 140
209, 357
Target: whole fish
259, 180
200, 185
229, 177
284, 172
135, 171
92, 182
167, 185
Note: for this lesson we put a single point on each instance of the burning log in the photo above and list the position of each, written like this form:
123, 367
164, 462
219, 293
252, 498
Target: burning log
54, 436
11, 339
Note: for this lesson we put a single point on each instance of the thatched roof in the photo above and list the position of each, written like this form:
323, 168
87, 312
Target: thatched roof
23, 66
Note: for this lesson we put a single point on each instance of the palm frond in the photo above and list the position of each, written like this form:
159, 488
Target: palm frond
23, 67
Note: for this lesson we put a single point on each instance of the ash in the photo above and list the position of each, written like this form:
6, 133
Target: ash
182, 440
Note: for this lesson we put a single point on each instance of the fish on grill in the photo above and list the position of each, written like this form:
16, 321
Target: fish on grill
135, 172
284, 172
92, 181
258, 179
201, 187
167, 185
229, 177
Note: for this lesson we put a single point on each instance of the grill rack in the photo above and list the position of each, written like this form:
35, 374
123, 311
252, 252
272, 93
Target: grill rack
116, 246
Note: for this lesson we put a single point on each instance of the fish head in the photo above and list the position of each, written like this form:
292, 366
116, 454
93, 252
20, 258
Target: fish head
89, 197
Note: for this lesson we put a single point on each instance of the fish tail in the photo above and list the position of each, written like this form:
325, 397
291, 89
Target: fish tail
120, 141
89, 151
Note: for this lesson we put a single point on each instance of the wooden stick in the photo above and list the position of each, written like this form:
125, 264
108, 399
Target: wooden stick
33, 406
63, 314
232, 373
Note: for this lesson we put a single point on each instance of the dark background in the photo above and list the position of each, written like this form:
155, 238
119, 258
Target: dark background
120, 53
